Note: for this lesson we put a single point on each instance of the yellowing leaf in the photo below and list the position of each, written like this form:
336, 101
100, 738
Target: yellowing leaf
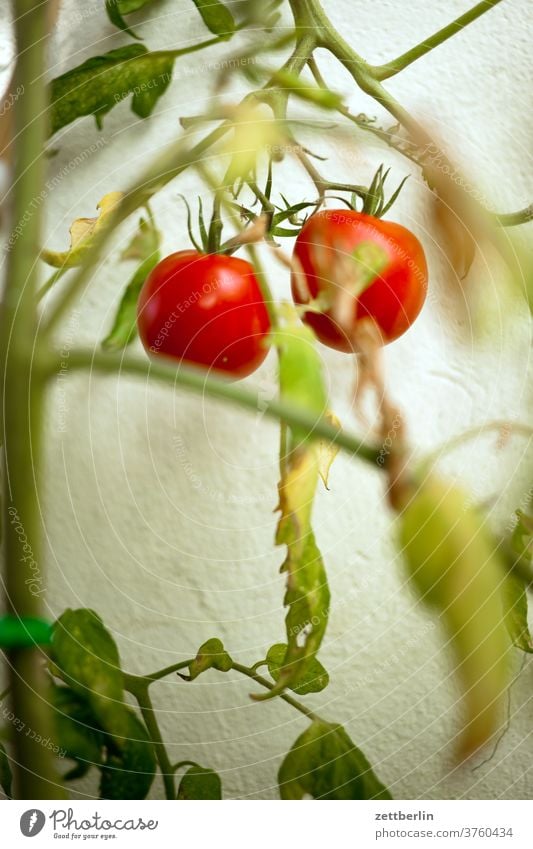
456, 568
327, 451
315, 679
307, 595
82, 232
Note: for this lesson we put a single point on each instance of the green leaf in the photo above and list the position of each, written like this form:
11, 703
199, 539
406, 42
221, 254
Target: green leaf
456, 567
515, 611
522, 537
83, 232
86, 657
126, 7
211, 655
325, 764
101, 82
114, 13
130, 765
77, 732
216, 16
301, 378
514, 593
145, 246
5, 772
315, 679
145, 242
307, 595
200, 783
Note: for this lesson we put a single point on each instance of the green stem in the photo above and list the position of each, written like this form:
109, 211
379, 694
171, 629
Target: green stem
181, 764
251, 673
22, 411
389, 69
277, 96
138, 687
513, 219
198, 381
136, 684
194, 48
169, 670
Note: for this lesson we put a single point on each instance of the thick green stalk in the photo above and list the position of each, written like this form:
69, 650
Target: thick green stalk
35, 776
215, 387
138, 687
383, 72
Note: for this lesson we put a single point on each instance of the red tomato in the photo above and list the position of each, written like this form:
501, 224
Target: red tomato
393, 298
205, 309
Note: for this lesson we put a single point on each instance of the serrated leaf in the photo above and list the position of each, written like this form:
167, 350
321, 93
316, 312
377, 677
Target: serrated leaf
82, 233
130, 765
456, 567
97, 85
5, 772
211, 655
514, 589
314, 680
307, 595
325, 764
216, 16
327, 451
200, 783
522, 537
515, 611
77, 732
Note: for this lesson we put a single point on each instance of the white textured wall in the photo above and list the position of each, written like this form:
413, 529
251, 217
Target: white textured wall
172, 542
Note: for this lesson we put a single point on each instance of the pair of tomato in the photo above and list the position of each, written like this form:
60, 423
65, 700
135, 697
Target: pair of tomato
208, 309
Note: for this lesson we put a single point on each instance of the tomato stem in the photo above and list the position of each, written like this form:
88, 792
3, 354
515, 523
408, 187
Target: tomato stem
23, 392
389, 69
268, 685
216, 387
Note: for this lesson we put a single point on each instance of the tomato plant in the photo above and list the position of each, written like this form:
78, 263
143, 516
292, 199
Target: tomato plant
209, 308
205, 309
389, 281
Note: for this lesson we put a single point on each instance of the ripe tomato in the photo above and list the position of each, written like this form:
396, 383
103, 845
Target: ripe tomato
393, 296
206, 309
